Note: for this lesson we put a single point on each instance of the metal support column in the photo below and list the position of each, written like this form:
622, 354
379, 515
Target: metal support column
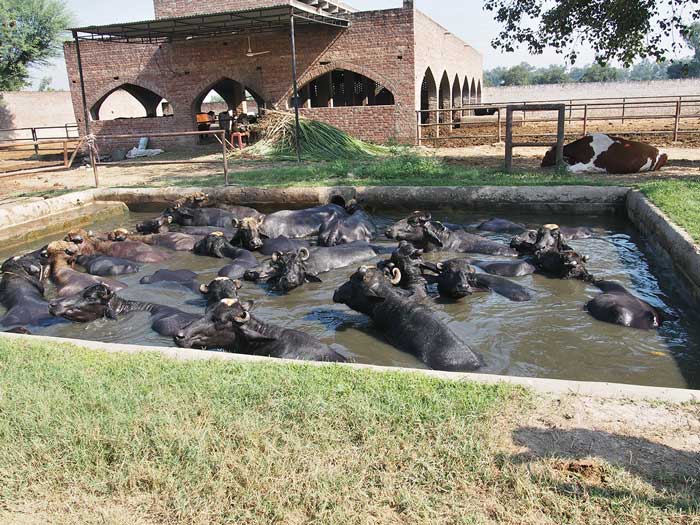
296, 87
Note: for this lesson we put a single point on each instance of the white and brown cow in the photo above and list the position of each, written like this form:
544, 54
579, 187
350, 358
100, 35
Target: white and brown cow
600, 153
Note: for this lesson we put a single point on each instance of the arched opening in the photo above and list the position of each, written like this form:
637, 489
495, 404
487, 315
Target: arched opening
343, 87
472, 93
456, 101
478, 93
465, 96
225, 105
428, 97
444, 97
130, 101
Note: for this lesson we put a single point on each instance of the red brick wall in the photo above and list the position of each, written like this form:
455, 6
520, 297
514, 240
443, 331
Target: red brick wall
143, 127
172, 8
372, 123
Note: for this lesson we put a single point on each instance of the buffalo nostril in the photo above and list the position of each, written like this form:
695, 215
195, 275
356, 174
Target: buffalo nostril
179, 336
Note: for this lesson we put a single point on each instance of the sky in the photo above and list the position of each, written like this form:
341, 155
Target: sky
464, 18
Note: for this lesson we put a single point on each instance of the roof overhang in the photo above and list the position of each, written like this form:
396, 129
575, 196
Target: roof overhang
257, 20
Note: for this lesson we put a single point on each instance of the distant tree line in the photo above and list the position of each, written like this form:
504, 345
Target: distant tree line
525, 74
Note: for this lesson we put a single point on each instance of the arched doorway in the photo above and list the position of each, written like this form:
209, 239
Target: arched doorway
130, 101
428, 97
444, 98
343, 87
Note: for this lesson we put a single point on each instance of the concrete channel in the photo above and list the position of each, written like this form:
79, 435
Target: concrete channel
26, 221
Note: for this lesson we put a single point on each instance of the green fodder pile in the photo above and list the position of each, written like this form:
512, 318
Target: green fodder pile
319, 141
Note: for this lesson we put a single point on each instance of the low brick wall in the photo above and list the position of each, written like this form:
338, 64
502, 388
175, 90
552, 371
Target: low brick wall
354, 121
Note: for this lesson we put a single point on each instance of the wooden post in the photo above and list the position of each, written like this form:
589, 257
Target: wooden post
93, 163
65, 153
36, 144
500, 126
225, 152
571, 110
419, 128
437, 125
585, 118
624, 109
677, 124
509, 139
561, 134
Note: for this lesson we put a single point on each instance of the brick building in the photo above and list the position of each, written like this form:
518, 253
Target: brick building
366, 72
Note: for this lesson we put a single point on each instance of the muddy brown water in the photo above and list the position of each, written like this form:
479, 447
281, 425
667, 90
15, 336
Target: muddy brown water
551, 336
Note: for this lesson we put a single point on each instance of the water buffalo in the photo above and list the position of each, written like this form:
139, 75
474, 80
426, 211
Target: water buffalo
457, 279
22, 293
231, 326
59, 256
185, 216
496, 225
104, 266
297, 224
89, 244
516, 268
617, 305
248, 236
158, 225
219, 289
183, 278
406, 323
426, 234
344, 230
404, 269
291, 270
177, 241
100, 301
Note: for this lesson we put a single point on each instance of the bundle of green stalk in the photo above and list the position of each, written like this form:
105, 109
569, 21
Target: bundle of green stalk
318, 141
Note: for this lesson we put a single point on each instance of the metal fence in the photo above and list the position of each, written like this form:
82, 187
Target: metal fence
674, 117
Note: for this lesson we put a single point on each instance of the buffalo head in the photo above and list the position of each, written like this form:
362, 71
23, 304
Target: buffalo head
213, 245
248, 233
289, 270
158, 225
89, 305
217, 328
457, 279
420, 230
367, 287
220, 288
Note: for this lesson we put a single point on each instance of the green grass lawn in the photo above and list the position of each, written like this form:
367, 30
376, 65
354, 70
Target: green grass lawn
680, 199
88, 437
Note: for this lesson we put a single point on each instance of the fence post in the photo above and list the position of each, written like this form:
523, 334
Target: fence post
65, 153
509, 139
571, 111
419, 131
34, 138
561, 134
67, 132
437, 126
585, 118
223, 148
93, 163
500, 126
678, 121
624, 108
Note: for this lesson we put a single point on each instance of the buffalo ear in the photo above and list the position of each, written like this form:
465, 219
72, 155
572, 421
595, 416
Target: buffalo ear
110, 313
433, 237
248, 305
373, 293
254, 336
312, 278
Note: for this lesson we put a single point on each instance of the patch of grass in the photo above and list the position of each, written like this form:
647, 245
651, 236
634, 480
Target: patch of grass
88, 436
401, 169
680, 199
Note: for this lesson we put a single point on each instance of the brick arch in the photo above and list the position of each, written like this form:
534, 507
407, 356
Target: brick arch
317, 71
204, 87
465, 91
144, 91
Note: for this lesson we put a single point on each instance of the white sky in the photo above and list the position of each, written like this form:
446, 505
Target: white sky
465, 18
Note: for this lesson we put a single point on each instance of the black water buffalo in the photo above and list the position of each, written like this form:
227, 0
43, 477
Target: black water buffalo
359, 226
247, 235
426, 234
22, 293
497, 225
291, 270
104, 266
59, 257
177, 241
297, 224
457, 278
405, 270
101, 302
231, 326
90, 244
617, 305
216, 245
515, 268
183, 278
158, 225
406, 323
219, 289
283, 245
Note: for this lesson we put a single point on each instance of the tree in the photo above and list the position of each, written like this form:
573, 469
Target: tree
622, 30
598, 73
518, 75
551, 75
45, 84
648, 70
688, 68
29, 35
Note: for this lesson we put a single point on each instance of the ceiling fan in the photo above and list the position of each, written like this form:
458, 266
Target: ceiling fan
250, 53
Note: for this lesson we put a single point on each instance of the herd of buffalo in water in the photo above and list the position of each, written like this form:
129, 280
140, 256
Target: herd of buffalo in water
299, 246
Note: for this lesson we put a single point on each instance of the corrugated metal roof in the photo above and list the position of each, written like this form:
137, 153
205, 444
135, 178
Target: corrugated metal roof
244, 21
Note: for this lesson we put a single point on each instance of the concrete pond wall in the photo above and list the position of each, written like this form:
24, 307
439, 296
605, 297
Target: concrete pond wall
672, 246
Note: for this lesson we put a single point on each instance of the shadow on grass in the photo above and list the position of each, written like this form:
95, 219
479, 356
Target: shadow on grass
675, 473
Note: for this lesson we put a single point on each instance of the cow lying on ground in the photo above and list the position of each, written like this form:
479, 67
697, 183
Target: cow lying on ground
600, 153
